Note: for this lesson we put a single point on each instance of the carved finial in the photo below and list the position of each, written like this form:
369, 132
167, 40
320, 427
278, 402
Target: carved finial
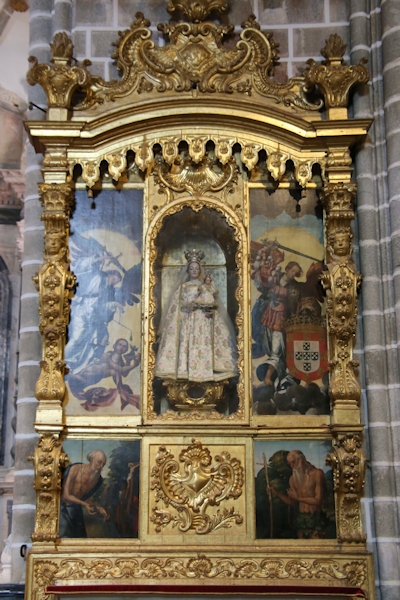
334, 78
197, 10
334, 49
61, 48
61, 79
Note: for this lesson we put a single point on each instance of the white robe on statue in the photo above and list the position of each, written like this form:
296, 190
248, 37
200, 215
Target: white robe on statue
196, 343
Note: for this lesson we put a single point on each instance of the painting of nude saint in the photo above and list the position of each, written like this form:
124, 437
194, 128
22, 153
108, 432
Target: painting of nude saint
100, 489
103, 343
294, 490
288, 323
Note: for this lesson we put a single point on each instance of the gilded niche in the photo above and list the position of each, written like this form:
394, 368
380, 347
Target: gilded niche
196, 338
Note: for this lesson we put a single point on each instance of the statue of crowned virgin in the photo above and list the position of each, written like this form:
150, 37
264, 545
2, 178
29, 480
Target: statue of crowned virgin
197, 339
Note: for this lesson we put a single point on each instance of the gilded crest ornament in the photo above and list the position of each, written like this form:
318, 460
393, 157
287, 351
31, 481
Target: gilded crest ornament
192, 486
195, 59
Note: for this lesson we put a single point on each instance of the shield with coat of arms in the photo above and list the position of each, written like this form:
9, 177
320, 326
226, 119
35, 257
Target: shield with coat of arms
306, 350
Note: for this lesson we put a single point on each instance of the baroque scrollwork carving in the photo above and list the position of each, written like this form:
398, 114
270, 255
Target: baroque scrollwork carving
48, 460
55, 284
193, 485
348, 462
194, 59
197, 170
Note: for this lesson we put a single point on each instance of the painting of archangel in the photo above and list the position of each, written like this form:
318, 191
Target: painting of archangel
288, 323
100, 489
103, 345
294, 490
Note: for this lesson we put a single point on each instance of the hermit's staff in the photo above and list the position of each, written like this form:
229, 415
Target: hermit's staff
271, 516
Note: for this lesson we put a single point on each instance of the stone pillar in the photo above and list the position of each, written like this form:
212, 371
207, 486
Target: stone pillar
375, 34
30, 340
11, 190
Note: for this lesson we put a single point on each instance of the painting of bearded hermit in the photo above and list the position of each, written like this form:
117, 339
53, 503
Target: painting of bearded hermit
100, 489
103, 343
294, 490
288, 322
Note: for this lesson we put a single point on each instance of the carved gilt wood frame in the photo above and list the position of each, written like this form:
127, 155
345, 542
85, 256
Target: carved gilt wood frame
197, 93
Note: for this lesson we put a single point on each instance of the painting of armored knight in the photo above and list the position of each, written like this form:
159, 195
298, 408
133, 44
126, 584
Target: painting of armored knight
289, 347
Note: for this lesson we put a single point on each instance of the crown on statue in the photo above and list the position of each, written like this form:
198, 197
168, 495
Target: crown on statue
194, 256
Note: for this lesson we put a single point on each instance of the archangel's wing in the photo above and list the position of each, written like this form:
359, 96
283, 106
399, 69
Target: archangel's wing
84, 246
131, 287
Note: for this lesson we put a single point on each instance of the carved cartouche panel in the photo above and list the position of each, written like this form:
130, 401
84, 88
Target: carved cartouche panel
195, 489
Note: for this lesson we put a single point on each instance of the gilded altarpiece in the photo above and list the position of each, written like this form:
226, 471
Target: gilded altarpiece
198, 401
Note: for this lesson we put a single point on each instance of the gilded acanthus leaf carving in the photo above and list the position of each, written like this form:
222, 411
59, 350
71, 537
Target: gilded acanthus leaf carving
199, 10
202, 171
341, 282
276, 164
193, 485
346, 571
116, 164
55, 283
333, 77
